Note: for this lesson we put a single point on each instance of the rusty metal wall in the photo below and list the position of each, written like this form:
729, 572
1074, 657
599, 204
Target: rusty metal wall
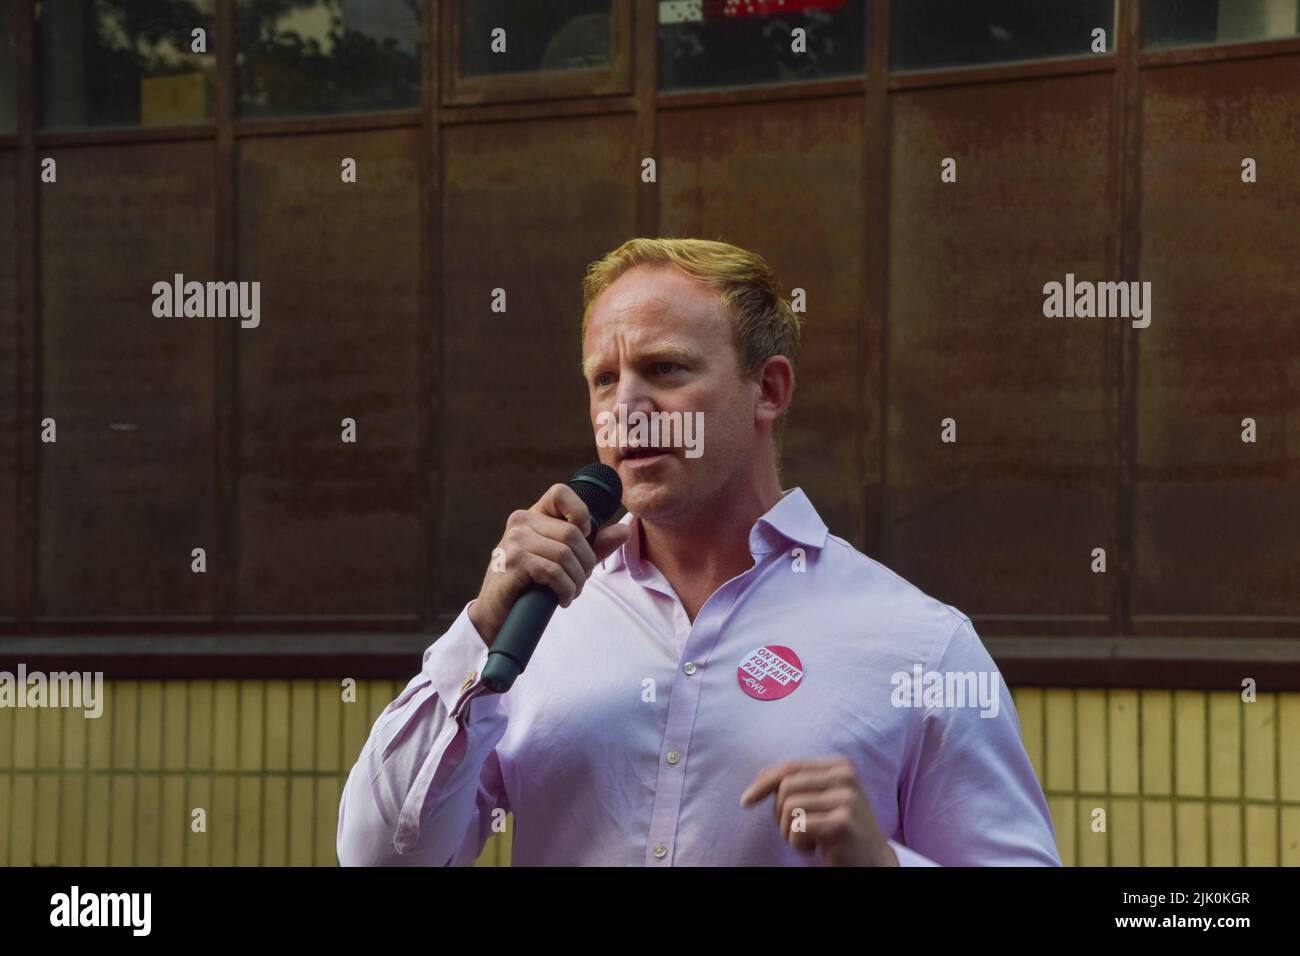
327, 527
526, 206
1218, 520
9, 379
1002, 522
786, 180
126, 492
924, 303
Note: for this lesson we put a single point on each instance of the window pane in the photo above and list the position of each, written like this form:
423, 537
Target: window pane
748, 42
1183, 22
934, 34
125, 62
8, 94
556, 35
302, 57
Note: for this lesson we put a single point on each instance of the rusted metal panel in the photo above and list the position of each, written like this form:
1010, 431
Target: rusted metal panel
327, 527
785, 180
1002, 522
1218, 519
127, 490
526, 207
9, 430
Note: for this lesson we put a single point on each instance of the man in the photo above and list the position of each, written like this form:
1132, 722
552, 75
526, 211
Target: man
724, 682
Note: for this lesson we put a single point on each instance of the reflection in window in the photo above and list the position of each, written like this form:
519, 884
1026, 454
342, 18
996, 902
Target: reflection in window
1182, 22
934, 34
555, 35
125, 62
301, 57
748, 42
8, 88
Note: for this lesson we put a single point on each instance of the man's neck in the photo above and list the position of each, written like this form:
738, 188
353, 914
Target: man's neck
699, 556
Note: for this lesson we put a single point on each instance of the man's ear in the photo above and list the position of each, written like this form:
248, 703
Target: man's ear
775, 386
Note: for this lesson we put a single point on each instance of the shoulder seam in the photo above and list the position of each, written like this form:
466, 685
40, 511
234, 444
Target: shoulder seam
876, 565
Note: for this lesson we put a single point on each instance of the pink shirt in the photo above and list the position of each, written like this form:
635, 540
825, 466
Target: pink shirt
632, 734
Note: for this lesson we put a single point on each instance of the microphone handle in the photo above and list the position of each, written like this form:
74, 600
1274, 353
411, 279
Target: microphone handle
519, 634
518, 637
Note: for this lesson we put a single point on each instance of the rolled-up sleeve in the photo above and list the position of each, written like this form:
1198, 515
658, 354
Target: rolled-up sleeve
427, 782
970, 796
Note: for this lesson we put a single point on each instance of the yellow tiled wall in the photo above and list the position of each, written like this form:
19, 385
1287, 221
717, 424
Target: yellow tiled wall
1184, 777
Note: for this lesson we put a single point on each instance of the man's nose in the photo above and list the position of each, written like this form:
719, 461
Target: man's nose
634, 392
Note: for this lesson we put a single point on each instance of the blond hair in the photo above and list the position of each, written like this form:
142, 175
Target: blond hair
762, 322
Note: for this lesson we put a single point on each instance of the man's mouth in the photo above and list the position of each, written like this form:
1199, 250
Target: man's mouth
647, 452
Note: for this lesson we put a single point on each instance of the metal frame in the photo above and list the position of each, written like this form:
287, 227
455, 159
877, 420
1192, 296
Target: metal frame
1153, 652
458, 89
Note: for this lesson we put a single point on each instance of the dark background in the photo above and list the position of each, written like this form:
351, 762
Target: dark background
924, 302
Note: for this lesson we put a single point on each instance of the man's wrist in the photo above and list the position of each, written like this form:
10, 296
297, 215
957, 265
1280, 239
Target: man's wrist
885, 855
486, 633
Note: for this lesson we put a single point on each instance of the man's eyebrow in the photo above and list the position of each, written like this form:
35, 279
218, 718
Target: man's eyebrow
673, 351
654, 352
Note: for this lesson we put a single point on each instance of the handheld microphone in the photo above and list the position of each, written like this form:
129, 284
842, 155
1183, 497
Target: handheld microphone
601, 491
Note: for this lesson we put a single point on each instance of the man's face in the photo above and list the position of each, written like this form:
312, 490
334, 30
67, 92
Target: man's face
658, 341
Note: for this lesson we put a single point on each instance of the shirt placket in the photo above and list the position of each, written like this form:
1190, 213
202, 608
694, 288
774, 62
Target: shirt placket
683, 702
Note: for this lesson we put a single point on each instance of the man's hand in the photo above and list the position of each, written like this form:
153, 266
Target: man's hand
547, 545
836, 815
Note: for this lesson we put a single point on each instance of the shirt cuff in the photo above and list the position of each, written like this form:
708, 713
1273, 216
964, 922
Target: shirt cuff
454, 665
908, 857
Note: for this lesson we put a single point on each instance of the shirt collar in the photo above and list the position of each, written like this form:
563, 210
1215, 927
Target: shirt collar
792, 520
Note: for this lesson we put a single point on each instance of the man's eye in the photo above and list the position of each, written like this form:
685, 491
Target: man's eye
666, 367
601, 377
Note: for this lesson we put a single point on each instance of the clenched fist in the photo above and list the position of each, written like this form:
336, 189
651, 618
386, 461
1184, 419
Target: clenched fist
833, 811
546, 544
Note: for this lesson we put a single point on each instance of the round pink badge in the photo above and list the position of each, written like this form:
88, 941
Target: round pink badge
770, 673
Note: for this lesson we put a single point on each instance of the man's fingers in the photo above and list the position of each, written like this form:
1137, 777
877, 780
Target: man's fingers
567, 537
552, 575
561, 501
802, 841
805, 781
770, 778
826, 799
810, 802
609, 539
819, 828
558, 553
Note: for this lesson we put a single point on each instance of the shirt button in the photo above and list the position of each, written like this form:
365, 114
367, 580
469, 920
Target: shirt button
661, 851
673, 756
689, 668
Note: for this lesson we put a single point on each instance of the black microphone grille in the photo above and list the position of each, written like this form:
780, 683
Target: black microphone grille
600, 489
